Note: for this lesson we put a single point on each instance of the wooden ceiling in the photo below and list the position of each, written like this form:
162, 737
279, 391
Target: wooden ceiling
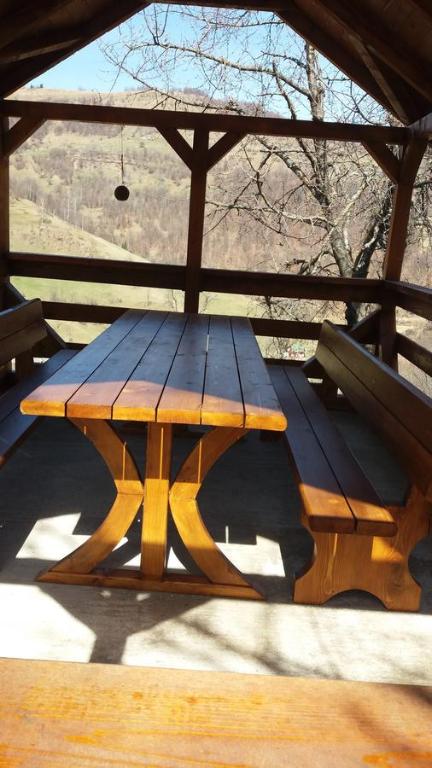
383, 45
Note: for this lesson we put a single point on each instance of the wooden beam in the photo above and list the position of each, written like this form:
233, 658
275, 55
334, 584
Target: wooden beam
385, 158
19, 133
4, 209
120, 272
291, 286
81, 313
220, 123
422, 128
401, 104
356, 22
196, 220
178, 144
39, 44
334, 50
402, 196
414, 353
25, 16
89, 29
91, 270
387, 337
412, 298
222, 146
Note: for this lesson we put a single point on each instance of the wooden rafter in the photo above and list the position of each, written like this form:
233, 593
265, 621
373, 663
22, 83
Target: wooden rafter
369, 30
333, 50
25, 16
38, 45
114, 14
384, 80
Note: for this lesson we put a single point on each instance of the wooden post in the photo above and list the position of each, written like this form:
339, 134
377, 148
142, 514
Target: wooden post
196, 219
402, 196
387, 336
393, 261
4, 210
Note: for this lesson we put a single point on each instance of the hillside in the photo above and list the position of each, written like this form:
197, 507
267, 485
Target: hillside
62, 182
35, 230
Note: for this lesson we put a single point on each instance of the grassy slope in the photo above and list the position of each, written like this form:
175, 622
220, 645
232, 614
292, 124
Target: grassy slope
32, 230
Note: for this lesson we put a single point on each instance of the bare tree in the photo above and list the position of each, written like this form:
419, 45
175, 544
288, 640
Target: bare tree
322, 207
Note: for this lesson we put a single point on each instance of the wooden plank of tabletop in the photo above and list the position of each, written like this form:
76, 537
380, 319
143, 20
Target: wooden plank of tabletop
261, 404
183, 393
51, 397
222, 402
95, 398
70, 715
139, 397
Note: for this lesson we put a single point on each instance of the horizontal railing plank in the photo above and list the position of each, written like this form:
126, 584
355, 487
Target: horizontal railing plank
291, 286
296, 329
81, 313
85, 269
269, 126
414, 353
413, 298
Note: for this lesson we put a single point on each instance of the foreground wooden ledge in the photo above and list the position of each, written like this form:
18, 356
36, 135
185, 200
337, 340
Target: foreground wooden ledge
56, 714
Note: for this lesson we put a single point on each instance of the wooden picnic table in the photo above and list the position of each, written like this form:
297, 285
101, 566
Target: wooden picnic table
162, 368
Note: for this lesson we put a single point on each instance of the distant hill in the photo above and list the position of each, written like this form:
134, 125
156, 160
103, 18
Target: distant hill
35, 230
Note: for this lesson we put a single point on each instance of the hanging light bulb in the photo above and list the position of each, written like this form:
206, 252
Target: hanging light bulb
121, 192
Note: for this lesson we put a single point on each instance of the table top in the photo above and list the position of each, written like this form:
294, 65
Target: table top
167, 367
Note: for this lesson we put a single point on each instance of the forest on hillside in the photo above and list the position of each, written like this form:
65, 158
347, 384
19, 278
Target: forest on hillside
71, 170
255, 219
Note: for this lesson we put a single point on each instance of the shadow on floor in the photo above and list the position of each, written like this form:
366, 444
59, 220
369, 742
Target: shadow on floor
253, 511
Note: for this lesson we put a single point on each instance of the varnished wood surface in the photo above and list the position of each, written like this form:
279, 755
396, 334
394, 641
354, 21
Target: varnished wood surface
68, 715
165, 118
400, 412
336, 495
166, 367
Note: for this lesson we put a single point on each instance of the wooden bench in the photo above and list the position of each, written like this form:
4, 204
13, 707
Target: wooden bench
359, 542
21, 328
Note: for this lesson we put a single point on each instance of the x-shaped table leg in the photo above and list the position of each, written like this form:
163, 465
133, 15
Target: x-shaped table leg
220, 576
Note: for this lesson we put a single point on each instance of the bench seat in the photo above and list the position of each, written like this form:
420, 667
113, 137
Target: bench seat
21, 328
337, 496
14, 425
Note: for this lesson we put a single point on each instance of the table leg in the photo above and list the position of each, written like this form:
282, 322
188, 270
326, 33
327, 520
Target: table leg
220, 576
121, 515
156, 490
185, 511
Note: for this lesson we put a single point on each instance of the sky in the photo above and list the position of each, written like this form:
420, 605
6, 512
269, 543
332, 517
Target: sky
87, 69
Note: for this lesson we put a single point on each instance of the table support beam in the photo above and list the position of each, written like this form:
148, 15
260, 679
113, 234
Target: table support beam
156, 489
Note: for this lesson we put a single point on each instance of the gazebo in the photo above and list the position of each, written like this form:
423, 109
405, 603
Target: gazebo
385, 47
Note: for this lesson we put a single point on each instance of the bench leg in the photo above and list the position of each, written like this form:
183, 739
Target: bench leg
375, 564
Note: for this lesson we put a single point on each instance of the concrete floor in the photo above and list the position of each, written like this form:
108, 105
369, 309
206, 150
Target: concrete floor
55, 490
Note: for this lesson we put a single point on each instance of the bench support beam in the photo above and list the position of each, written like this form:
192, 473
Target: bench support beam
373, 564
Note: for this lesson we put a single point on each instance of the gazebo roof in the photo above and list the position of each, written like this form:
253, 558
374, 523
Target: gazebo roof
383, 45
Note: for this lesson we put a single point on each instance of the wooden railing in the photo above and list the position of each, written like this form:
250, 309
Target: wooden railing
387, 294
192, 279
